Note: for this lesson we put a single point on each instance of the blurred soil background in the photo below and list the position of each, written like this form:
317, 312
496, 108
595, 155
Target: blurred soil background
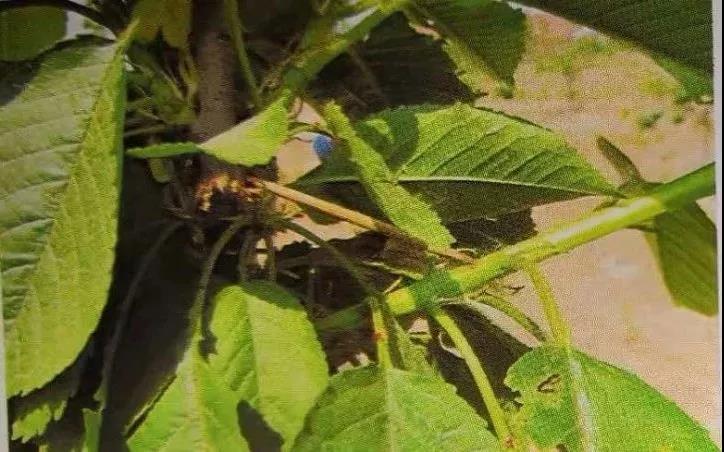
584, 85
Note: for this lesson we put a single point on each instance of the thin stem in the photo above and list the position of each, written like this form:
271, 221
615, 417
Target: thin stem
560, 330
77, 8
375, 298
147, 130
127, 303
247, 245
381, 332
368, 75
271, 257
309, 62
497, 415
460, 280
237, 36
337, 255
208, 267
356, 218
512, 311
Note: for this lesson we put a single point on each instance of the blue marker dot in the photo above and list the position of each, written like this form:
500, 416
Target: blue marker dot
322, 145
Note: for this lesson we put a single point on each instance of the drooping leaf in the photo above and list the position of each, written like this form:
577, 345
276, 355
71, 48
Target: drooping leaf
685, 245
409, 213
678, 29
155, 337
490, 234
482, 37
266, 352
163, 150
403, 67
495, 348
255, 140
392, 410
61, 126
574, 400
684, 241
172, 18
33, 412
196, 412
464, 162
25, 32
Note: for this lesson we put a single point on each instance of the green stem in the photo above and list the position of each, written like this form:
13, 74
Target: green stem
497, 415
512, 311
452, 283
237, 36
375, 298
560, 330
198, 304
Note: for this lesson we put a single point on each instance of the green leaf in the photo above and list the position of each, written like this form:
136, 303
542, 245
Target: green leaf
464, 162
163, 150
683, 240
33, 412
170, 17
395, 66
255, 140
392, 410
25, 32
267, 353
678, 29
483, 37
196, 412
409, 213
573, 400
59, 184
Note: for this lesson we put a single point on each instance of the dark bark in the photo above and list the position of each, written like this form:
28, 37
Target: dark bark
214, 57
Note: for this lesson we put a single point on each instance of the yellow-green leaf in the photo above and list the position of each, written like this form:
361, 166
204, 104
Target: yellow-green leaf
60, 161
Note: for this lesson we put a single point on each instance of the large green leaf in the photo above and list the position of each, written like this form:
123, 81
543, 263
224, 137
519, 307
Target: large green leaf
573, 400
196, 412
679, 29
25, 32
395, 66
255, 140
481, 36
267, 353
406, 211
465, 162
60, 129
33, 412
684, 241
373, 409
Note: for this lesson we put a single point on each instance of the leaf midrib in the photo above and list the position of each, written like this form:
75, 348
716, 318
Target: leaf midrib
347, 179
